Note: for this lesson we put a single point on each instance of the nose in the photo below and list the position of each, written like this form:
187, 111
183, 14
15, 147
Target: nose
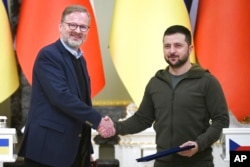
78, 29
172, 49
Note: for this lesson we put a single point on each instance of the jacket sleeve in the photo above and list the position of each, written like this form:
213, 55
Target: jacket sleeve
140, 121
218, 111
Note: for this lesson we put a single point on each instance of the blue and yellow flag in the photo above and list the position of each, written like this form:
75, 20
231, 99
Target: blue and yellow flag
8, 67
4, 146
136, 39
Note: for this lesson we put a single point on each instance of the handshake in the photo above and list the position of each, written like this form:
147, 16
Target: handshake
106, 127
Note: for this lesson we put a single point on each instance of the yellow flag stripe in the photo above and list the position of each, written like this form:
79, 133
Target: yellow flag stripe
8, 68
4, 150
136, 39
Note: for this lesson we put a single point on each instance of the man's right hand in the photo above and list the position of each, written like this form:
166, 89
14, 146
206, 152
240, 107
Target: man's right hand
106, 127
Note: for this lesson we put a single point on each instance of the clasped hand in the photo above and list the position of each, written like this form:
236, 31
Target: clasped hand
191, 152
106, 127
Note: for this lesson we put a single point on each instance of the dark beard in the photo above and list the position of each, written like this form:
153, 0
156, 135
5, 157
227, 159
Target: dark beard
180, 62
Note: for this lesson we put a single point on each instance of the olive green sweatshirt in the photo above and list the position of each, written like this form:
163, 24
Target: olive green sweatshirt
195, 109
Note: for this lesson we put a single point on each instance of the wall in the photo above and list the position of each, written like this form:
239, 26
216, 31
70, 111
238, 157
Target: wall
114, 92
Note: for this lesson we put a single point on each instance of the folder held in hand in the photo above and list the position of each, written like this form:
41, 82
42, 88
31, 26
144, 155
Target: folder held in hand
164, 153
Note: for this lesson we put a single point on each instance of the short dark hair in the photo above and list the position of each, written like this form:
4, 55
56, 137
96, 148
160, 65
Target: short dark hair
74, 8
179, 29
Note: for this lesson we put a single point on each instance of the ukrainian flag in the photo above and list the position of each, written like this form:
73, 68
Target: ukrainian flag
136, 39
4, 146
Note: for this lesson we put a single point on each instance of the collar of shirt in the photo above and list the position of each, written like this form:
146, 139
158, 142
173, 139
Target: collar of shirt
76, 54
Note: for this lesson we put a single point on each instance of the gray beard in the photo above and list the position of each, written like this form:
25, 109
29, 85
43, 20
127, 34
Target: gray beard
74, 44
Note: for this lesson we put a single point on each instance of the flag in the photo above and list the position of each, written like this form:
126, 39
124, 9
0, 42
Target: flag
4, 146
192, 7
136, 39
236, 147
239, 154
221, 41
39, 25
8, 67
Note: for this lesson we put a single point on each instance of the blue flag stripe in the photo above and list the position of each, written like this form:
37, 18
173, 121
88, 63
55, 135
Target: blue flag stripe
4, 142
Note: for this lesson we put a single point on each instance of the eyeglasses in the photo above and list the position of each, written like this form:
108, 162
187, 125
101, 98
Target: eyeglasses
74, 26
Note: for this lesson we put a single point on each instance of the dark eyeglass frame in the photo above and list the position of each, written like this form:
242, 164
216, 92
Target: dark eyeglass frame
74, 26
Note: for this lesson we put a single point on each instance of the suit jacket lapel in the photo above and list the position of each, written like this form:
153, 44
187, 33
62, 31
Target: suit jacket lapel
66, 55
86, 75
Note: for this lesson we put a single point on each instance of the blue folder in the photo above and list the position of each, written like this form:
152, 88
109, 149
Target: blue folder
164, 153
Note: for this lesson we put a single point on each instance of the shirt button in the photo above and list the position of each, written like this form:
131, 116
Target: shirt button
79, 135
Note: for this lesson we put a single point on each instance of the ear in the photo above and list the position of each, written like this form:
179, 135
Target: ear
190, 49
60, 27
